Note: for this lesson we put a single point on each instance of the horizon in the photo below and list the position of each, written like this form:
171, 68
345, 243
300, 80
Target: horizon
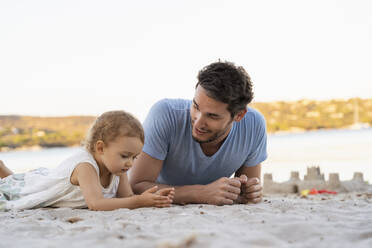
249, 105
253, 102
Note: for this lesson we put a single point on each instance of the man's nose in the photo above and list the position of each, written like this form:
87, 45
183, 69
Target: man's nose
199, 120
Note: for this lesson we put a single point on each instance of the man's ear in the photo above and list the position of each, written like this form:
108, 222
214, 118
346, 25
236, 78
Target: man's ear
100, 145
239, 116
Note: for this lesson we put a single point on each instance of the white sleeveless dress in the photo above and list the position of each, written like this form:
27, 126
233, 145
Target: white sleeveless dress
49, 187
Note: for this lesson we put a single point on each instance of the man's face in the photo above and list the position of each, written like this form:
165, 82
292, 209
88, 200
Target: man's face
210, 119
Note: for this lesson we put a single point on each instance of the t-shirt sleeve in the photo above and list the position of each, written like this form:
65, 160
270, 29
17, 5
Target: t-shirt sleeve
157, 127
258, 152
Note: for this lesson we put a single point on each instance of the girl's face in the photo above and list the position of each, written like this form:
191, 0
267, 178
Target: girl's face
119, 154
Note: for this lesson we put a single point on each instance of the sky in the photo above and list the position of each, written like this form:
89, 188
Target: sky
61, 58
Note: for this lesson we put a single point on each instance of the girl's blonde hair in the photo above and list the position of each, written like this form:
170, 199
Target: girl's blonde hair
111, 125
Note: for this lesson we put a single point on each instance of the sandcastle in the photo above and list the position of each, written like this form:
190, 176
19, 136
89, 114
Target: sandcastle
315, 179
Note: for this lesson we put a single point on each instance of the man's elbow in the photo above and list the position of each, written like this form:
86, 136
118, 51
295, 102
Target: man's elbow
135, 184
136, 188
139, 186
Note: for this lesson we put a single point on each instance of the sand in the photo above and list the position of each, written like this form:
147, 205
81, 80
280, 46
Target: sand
343, 220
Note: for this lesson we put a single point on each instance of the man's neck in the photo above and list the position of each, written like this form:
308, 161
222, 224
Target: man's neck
211, 148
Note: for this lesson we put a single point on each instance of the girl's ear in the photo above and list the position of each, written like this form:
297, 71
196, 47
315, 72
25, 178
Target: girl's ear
100, 145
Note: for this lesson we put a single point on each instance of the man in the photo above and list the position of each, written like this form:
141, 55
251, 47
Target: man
197, 145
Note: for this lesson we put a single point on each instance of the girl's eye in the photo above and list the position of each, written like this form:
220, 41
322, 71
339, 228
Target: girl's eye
124, 156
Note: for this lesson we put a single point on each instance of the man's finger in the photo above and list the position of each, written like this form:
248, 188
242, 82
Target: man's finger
253, 188
241, 200
243, 179
230, 196
252, 181
234, 190
255, 200
253, 195
234, 182
226, 202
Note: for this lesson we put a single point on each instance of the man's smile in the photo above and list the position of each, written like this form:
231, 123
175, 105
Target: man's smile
200, 132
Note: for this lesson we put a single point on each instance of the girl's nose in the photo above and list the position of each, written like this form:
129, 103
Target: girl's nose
129, 162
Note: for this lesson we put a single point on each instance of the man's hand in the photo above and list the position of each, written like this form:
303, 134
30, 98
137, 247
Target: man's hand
251, 190
222, 191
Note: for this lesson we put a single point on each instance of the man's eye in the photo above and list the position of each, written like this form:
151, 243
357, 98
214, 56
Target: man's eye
124, 156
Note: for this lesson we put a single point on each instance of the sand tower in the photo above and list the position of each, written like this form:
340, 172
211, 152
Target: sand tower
313, 173
313, 179
358, 176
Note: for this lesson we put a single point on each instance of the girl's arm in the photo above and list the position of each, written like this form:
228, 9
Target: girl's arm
124, 189
91, 188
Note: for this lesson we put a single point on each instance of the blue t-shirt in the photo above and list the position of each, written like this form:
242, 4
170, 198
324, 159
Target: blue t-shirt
168, 137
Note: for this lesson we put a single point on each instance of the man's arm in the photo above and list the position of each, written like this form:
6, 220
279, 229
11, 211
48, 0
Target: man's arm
146, 169
124, 189
251, 188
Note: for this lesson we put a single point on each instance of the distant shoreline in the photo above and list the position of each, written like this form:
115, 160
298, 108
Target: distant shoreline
282, 118
278, 133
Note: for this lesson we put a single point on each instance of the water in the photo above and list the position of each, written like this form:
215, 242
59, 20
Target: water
21, 161
335, 151
342, 151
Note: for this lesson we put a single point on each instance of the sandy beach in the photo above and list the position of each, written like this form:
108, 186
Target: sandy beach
343, 220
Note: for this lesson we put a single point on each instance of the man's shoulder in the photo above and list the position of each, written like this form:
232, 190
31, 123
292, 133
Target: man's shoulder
168, 112
254, 116
171, 105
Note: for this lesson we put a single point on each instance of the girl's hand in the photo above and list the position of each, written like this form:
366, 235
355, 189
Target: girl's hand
151, 198
169, 192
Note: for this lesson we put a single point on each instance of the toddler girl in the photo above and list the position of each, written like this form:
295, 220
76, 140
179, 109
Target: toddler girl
96, 177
